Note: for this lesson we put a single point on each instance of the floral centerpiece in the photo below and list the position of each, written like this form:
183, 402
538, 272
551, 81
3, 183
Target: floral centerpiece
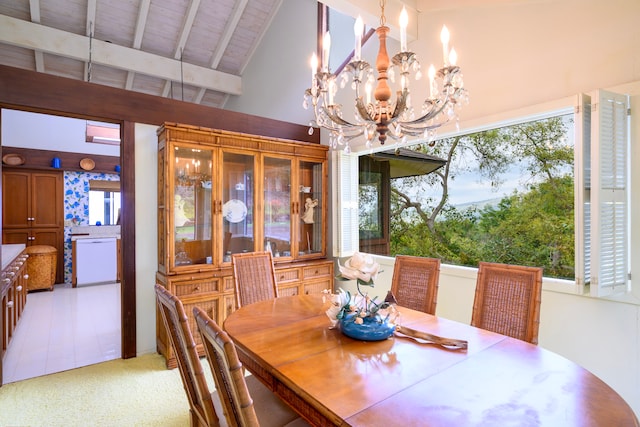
358, 315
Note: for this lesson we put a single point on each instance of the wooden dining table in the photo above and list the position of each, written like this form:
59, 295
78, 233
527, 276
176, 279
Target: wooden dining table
331, 379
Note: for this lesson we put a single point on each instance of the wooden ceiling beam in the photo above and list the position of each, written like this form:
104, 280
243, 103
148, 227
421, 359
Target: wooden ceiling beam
40, 38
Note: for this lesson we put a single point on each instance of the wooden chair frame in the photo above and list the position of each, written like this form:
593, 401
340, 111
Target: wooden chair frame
193, 379
415, 282
246, 402
507, 300
254, 277
227, 372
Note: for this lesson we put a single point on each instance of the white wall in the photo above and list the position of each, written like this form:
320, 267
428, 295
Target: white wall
273, 83
45, 132
146, 204
518, 54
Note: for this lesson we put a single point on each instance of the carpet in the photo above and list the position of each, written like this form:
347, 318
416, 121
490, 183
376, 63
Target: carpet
135, 392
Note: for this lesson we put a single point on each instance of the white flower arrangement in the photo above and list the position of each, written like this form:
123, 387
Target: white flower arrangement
363, 269
360, 267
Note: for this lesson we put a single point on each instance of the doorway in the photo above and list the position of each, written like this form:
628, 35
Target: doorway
34, 132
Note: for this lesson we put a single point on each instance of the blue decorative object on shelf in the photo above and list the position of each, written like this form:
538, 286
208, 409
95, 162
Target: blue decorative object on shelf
373, 328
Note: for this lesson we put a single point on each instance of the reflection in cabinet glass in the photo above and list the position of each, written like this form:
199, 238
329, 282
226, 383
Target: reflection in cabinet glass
192, 205
277, 209
310, 236
237, 198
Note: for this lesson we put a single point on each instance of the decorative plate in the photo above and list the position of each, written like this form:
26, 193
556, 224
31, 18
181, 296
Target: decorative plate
13, 159
234, 210
87, 164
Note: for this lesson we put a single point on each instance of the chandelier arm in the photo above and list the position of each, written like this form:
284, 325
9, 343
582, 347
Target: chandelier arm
362, 110
401, 104
342, 123
428, 116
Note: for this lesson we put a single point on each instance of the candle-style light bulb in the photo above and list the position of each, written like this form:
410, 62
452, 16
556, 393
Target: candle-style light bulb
453, 57
404, 21
444, 38
358, 28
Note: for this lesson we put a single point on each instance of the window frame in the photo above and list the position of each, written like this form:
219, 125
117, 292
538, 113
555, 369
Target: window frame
537, 112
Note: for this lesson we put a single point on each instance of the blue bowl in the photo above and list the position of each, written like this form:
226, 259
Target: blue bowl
372, 328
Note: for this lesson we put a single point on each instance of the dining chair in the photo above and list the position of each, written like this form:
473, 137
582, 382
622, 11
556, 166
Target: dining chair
415, 282
507, 300
175, 321
254, 277
244, 400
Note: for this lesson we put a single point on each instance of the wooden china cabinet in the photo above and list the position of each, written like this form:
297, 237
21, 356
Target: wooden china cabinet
221, 193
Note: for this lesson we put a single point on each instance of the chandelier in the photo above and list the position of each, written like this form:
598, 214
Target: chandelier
382, 117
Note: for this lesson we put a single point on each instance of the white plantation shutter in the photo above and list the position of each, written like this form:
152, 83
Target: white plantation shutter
345, 184
582, 192
602, 193
610, 204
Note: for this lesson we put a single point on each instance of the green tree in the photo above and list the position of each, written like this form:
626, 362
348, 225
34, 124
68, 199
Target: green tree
424, 223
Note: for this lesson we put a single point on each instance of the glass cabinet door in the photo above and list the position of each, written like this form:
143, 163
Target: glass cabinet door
238, 209
311, 206
277, 206
192, 222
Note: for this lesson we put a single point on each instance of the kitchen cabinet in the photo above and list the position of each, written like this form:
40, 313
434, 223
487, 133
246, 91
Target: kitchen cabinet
13, 295
221, 193
32, 210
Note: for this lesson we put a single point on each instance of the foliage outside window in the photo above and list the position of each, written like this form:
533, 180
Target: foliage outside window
532, 225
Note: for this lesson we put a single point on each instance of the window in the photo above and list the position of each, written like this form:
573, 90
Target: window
104, 202
600, 200
373, 206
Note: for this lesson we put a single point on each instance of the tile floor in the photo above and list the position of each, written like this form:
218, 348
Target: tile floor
65, 329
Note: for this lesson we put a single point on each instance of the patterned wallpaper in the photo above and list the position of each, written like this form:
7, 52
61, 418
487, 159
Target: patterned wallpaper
76, 207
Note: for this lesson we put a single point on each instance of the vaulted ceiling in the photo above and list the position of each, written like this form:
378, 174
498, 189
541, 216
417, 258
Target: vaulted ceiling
193, 50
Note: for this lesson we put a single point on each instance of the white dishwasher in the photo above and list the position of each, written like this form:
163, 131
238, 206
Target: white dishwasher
96, 260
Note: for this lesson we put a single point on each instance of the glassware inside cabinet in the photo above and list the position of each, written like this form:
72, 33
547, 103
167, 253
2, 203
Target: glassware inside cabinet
238, 203
277, 206
311, 207
192, 206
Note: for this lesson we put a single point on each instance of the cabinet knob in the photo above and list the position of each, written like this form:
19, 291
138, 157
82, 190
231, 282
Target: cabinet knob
10, 273
196, 288
26, 276
19, 288
9, 304
6, 280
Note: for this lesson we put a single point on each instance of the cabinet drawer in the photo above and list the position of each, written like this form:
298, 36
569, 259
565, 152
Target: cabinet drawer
317, 286
286, 275
211, 307
229, 283
201, 286
288, 291
317, 271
